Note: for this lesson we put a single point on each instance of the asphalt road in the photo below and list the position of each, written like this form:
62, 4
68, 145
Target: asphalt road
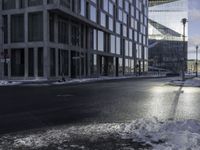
28, 107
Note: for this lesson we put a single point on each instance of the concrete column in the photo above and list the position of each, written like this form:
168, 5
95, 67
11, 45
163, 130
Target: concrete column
17, 4
46, 39
69, 49
44, 2
9, 42
35, 52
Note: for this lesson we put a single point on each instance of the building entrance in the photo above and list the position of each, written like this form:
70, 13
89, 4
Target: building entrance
78, 64
106, 65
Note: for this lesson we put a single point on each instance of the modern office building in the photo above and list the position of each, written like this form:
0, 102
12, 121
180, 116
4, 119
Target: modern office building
166, 34
49, 39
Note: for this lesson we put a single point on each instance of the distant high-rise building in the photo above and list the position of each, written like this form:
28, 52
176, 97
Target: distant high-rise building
166, 33
73, 38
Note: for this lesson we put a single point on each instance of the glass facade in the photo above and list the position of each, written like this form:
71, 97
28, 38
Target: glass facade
166, 35
102, 38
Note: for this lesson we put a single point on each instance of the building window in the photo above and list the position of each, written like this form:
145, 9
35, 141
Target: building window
30, 62
22, 3
124, 30
93, 39
93, 13
100, 41
111, 8
126, 66
126, 48
40, 62
145, 53
105, 5
93, 64
120, 15
120, 66
8, 4
75, 35
65, 3
50, 1
130, 49
118, 45
5, 29
132, 65
82, 7
103, 19
35, 26
5, 64
125, 18
34, 2
127, 6
118, 28
120, 3
51, 28
110, 24
52, 62
63, 62
94, 1
17, 28
63, 31
130, 34
112, 44
17, 62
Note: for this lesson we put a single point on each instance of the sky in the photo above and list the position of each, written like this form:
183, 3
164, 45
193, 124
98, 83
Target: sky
194, 28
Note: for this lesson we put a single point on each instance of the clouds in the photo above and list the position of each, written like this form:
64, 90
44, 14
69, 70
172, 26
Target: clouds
194, 10
194, 14
194, 40
194, 24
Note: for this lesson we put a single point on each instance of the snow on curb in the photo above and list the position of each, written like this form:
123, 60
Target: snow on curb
167, 135
8, 83
195, 82
192, 82
85, 80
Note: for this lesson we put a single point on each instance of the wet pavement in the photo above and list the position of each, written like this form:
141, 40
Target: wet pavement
29, 107
26, 107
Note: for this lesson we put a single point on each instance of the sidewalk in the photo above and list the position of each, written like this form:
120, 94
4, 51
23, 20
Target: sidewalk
193, 82
72, 81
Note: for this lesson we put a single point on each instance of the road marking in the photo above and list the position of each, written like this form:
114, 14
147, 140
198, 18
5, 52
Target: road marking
64, 95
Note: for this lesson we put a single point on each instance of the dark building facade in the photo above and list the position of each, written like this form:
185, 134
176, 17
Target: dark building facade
166, 46
49, 39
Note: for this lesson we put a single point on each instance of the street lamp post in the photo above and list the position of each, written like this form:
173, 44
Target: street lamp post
184, 21
197, 60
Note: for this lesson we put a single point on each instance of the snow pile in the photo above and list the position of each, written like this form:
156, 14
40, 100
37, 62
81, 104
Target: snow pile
7, 83
41, 140
85, 80
167, 135
179, 135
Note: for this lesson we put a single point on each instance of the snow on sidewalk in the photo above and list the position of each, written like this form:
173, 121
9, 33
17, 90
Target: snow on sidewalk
9, 83
103, 78
195, 82
44, 82
166, 135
